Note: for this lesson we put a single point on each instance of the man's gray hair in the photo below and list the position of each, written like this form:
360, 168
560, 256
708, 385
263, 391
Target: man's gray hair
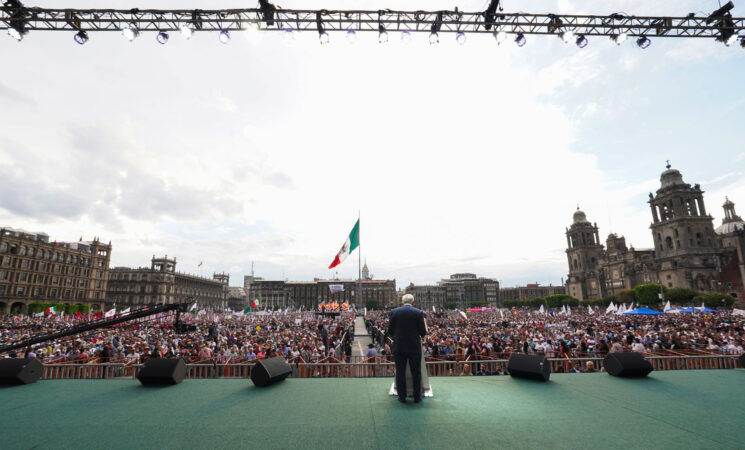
407, 299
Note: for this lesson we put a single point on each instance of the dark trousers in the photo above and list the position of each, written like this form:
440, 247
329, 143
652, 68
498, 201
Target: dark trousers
415, 364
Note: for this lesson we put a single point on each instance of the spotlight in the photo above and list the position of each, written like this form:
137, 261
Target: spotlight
434, 38
81, 37
351, 36
130, 32
15, 34
742, 42
490, 13
382, 34
730, 40
224, 36
460, 38
187, 30
267, 11
566, 36
581, 41
500, 36
323, 37
520, 40
162, 37
406, 37
643, 42
619, 38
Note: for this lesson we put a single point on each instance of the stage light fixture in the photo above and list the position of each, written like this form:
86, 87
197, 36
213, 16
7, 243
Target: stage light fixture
566, 36
434, 38
162, 37
130, 32
323, 37
267, 11
187, 30
742, 42
724, 22
490, 13
643, 42
520, 40
406, 37
351, 36
730, 40
581, 41
224, 36
460, 38
81, 37
500, 36
17, 19
382, 34
619, 38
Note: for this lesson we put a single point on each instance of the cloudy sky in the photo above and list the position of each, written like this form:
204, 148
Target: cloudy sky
459, 158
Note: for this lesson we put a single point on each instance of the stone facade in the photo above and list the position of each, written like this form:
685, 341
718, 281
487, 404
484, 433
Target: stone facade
161, 284
687, 251
32, 269
308, 294
460, 288
529, 291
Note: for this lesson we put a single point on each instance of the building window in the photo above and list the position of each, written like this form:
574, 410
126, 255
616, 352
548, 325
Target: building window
6, 261
669, 242
22, 252
68, 294
3, 247
669, 277
22, 276
677, 244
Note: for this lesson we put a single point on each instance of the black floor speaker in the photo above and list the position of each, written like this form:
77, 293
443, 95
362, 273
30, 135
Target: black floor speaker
533, 367
162, 371
20, 370
627, 364
268, 371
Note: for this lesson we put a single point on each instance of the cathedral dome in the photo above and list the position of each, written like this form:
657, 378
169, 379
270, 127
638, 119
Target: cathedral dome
731, 222
729, 227
671, 178
580, 217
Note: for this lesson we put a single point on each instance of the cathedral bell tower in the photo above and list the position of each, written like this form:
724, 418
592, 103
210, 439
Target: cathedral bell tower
683, 234
584, 252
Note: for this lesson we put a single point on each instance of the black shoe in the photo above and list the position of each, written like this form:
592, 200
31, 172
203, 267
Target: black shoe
417, 400
402, 400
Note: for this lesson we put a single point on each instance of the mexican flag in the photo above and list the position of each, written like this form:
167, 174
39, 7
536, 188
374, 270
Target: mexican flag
50, 310
247, 310
256, 303
352, 242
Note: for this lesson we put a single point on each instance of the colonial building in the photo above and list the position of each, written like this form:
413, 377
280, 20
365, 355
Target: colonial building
308, 294
460, 289
32, 269
161, 284
687, 251
529, 291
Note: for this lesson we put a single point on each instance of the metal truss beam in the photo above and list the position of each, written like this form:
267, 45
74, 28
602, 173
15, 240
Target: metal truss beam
43, 19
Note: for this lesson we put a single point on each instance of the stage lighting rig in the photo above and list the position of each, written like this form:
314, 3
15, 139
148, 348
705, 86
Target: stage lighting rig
520, 40
267, 11
130, 32
722, 18
382, 34
81, 37
643, 42
581, 41
162, 37
490, 14
323, 37
17, 20
434, 37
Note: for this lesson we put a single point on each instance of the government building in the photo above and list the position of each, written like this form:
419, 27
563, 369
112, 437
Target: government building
460, 289
32, 270
688, 250
161, 284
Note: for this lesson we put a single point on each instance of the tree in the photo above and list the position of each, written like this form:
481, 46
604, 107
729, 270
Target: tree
84, 309
371, 304
451, 305
534, 302
681, 296
715, 300
557, 300
648, 294
477, 303
627, 296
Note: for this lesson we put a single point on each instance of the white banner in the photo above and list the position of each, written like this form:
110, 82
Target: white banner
336, 288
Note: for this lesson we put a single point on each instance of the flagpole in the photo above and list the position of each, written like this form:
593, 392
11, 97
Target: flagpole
359, 261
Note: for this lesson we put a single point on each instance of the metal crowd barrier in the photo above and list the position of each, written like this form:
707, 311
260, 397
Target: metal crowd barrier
379, 368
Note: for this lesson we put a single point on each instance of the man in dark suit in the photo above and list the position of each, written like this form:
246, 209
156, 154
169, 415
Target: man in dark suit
406, 327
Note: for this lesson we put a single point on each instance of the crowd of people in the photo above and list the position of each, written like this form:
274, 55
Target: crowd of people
496, 334
215, 337
223, 338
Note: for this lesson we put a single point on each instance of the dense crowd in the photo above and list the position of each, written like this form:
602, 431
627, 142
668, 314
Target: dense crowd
216, 337
497, 334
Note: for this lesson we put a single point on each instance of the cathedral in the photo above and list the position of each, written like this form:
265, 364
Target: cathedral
688, 251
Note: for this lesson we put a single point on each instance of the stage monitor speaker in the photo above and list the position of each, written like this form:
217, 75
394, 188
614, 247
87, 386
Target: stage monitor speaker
533, 367
162, 371
20, 370
268, 371
627, 364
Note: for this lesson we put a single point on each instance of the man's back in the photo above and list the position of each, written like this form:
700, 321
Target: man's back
406, 326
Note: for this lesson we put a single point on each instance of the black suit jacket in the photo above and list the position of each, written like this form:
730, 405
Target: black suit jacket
406, 326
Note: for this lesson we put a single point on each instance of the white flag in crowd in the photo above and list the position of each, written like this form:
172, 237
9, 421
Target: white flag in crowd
110, 313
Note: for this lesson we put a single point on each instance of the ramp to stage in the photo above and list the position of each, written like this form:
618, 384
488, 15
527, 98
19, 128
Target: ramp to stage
674, 409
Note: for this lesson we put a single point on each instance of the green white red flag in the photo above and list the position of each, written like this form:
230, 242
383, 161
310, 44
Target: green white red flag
352, 242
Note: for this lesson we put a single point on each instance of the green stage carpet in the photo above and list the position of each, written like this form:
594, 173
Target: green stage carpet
675, 409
